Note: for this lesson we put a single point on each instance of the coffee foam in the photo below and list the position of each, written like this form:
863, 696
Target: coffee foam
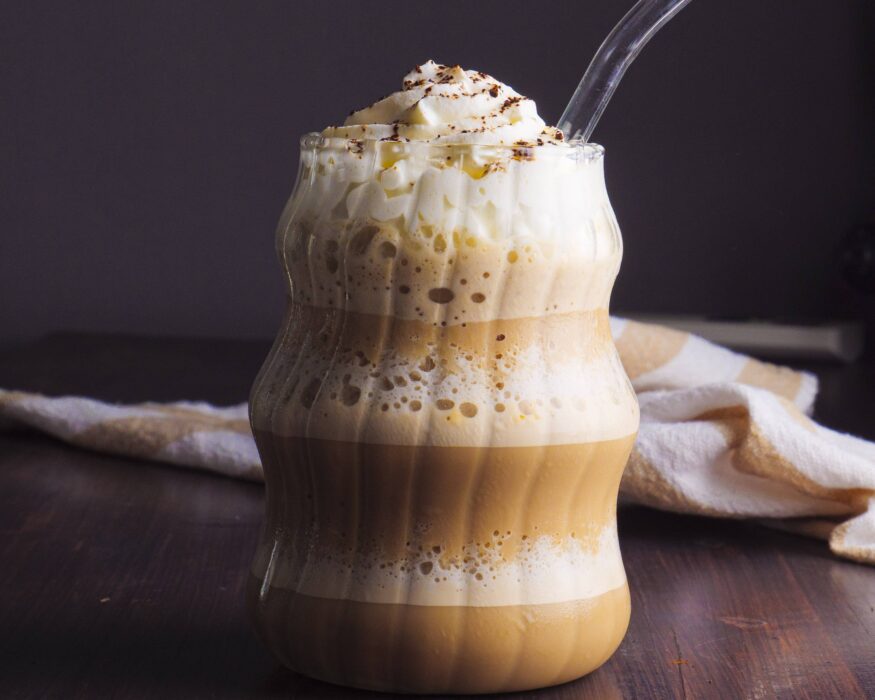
448, 279
543, 571
553, 380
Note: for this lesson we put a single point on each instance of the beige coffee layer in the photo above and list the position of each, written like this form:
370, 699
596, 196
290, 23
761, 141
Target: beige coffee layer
431, 525
446, 276
550, 379
439, 649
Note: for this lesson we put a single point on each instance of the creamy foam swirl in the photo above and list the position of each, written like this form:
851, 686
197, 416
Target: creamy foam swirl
447, 104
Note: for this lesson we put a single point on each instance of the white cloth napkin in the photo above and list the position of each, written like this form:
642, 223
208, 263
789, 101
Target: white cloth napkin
722, 435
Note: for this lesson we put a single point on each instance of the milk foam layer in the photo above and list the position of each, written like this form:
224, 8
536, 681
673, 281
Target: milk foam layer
444, 277
443, 197
544, 571
443, 207
536, 381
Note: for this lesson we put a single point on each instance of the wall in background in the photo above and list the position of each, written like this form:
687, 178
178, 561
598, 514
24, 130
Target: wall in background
148, 147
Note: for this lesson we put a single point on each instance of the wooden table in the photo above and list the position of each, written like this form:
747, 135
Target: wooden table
123, 578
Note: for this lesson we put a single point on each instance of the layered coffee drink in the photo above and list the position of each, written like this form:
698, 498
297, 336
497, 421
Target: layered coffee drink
443, 419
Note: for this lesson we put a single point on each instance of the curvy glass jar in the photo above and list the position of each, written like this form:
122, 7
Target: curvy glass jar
443, 420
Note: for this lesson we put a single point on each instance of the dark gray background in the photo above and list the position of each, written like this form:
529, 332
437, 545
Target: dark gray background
148, 147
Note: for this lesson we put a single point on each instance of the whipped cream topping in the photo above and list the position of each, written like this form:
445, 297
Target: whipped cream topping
447, 104
459, 175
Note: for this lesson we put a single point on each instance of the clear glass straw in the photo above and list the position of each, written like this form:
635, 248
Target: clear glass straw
610, 62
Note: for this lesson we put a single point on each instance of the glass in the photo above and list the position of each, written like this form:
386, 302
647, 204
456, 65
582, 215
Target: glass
443, 420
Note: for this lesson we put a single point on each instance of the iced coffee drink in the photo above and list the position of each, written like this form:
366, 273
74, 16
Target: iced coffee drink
443, 419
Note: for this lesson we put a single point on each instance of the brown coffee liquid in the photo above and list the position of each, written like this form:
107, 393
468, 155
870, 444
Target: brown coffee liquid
439, 649
435, 569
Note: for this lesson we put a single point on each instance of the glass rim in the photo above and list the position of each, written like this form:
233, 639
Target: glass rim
314, 140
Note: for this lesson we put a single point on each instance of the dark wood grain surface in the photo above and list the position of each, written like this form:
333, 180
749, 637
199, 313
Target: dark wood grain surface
121, 578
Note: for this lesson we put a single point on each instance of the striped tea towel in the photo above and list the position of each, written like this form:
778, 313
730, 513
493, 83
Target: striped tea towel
721, 435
